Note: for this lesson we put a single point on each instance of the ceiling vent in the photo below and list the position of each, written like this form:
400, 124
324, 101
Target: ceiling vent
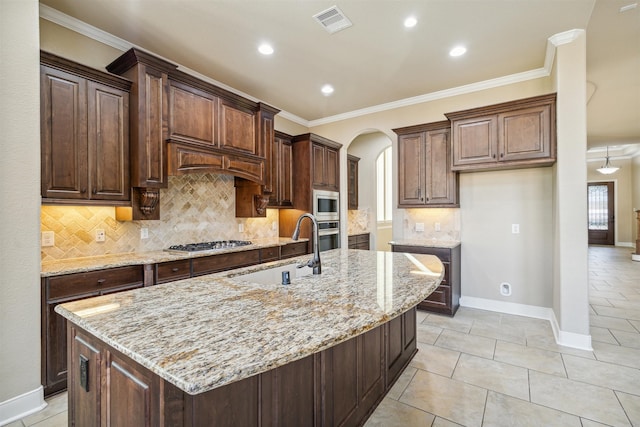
332, 20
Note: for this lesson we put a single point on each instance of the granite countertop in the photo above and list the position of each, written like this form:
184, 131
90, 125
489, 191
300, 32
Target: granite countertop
84, 264
208, 331
429, 243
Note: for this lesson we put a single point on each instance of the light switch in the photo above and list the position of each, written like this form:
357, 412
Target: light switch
100, 235
419, 226
515, 228
47, 238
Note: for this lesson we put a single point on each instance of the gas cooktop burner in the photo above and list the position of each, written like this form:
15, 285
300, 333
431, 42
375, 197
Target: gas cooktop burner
207, 246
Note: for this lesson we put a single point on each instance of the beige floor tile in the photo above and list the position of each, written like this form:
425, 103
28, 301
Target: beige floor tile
621, 313
441, 422
437, 360
549, 362
478, 346
55, 405
548, 342
446, 322
428, 334
577, 398
611, 323
631, 405
628, 304
635, 324
603, 374
454, 400
59, 420
590, 423
607, 294
393, 413
599, 301
508, 333
497, 376
616, 354
506, 411
402, 383
14, 424
474, 316
602, 335
627, 339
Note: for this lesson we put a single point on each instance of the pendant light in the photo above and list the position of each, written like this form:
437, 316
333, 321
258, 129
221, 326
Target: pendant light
608, 168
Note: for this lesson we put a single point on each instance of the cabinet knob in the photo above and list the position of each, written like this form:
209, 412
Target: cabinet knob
94, 191
175, 269
101, 281
83, 190
501, 155
494, 156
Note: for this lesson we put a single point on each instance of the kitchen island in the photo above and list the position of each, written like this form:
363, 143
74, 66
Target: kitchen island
233, 349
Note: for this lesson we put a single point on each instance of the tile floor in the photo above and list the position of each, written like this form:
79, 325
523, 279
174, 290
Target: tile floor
482, 368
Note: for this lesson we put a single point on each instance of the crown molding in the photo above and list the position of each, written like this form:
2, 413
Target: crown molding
101, 36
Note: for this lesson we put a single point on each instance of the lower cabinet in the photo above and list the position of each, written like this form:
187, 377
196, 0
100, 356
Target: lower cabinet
359, 241
340, 386
66, 288
446, 298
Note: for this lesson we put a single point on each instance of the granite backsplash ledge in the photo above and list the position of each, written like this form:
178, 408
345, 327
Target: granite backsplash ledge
194, 208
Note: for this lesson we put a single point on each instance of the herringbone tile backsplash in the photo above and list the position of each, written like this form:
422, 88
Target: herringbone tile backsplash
195, 208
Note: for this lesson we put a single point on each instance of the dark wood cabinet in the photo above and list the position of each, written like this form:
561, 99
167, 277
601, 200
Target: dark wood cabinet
359, 241
510, 135
71, 287
446, 298
84, 134
339, 386
222, 262
279, 174
315, 167
352, 181
172, 270
193, 115
425, 178
291, 250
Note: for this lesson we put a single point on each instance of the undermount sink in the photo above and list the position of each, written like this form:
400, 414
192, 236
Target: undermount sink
273, 276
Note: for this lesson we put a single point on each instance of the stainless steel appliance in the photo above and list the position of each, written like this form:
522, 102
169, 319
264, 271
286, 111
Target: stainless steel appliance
326, 205
328, 235
207, 246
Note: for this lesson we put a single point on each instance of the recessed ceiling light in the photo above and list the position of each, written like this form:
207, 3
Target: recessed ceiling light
327, 90
265, 49
410, 22
458, 51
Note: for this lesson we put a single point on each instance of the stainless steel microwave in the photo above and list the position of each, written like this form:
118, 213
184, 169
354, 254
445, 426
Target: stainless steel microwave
326, 205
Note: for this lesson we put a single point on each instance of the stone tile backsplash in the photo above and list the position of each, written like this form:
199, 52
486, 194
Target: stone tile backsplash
358, 221
448, 218
195, 208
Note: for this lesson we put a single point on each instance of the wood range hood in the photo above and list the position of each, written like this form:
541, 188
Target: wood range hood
180, 124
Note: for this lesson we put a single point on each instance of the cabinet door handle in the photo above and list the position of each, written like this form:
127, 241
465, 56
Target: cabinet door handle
175, 269
94, 191
494, 156
83, 190
101, 281
501, 155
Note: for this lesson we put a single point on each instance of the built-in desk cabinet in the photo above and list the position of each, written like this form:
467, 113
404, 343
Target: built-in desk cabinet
359, 241
279, 173
352, 181
446, 298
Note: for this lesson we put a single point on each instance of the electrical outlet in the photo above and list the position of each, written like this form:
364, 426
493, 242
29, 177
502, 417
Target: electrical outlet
241, 228
47, 239
144, 233
437, 226
515, 228
100, 236
274, 226
419, 226
505, 289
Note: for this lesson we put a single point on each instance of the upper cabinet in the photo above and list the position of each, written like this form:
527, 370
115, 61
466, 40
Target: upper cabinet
514, 134
352, 184
425, 178
84, 134
323, 160
279, 177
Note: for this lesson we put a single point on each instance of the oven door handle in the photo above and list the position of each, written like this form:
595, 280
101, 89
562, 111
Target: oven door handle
328, 232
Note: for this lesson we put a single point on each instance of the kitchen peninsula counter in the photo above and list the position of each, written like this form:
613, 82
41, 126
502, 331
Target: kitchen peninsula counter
91, 263
203, 333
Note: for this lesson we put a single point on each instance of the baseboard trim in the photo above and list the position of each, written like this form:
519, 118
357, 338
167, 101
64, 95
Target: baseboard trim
21, 406
626, 244
567, 339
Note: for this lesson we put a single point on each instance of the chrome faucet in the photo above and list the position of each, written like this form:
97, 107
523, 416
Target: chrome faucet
315, 262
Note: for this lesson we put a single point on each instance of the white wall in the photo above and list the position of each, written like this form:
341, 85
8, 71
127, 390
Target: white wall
20, 388
636, 199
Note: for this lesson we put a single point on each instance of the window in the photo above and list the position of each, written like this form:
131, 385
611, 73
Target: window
383, 188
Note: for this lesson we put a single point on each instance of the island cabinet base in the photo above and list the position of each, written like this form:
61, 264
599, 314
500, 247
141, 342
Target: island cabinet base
339, 386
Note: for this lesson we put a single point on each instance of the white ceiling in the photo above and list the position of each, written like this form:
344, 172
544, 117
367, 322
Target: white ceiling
377, 61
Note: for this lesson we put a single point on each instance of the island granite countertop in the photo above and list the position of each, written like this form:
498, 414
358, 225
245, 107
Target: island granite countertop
205, 332
99, 262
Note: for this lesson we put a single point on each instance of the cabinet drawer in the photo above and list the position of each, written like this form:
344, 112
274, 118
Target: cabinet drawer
441, 297
94, 281
222, 262
293, 249
174, 270
447, 268
270, 254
